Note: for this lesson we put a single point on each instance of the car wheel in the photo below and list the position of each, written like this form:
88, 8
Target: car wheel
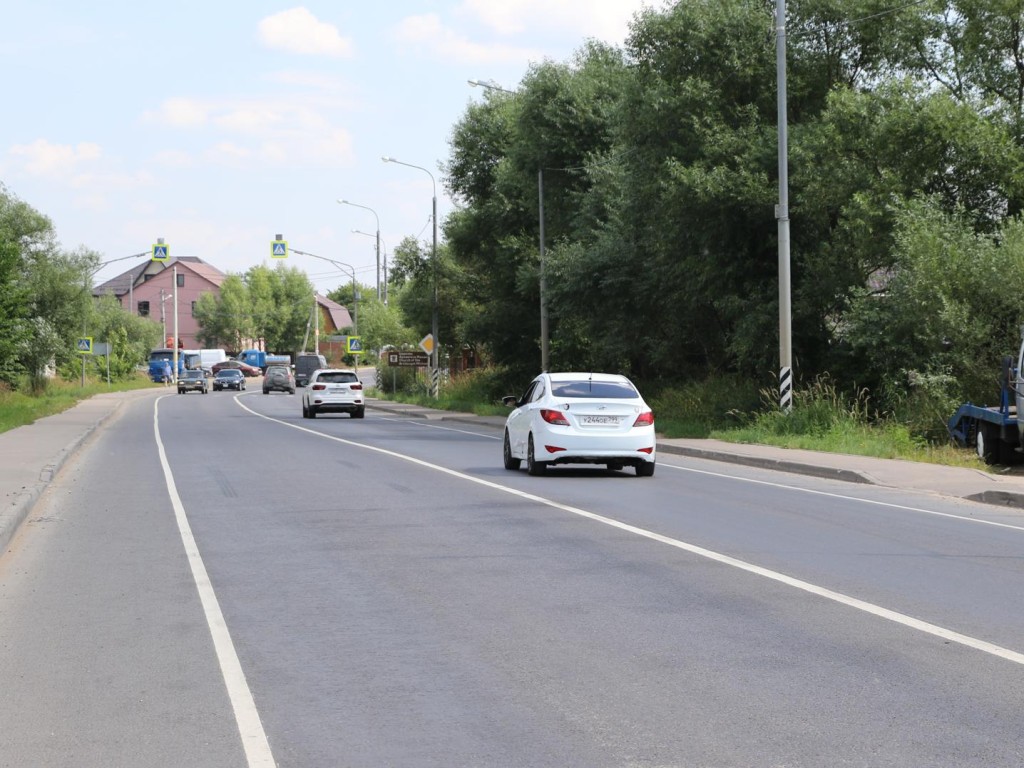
266, 391
305, 411
312, 412
291, 391
534, 467
645, 469
359, 413
506, 452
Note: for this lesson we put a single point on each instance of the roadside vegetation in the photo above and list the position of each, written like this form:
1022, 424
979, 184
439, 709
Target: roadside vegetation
659, 169
19, 407
727, 408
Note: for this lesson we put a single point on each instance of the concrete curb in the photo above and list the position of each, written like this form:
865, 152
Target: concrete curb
998, 498
793, 467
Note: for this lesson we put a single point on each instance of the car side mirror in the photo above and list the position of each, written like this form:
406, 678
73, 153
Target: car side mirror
510, 401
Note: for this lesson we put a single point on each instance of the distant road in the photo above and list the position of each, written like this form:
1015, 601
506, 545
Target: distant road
225, 583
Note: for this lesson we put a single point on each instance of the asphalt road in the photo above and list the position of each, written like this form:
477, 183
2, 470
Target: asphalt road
221, 582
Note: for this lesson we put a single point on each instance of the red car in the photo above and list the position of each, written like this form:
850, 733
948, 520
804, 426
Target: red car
245, 368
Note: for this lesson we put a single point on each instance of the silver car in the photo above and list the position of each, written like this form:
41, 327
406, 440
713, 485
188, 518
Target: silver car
278, 378
333, 390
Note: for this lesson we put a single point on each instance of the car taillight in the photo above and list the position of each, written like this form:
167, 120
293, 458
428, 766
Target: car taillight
645, 419
318, 387
553, 417
356, 386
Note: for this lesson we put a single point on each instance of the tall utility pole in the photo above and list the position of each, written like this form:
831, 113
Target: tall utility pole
782, 214
375, 216
175, 272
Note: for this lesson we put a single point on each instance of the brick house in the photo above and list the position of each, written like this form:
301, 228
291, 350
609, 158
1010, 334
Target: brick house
147, 290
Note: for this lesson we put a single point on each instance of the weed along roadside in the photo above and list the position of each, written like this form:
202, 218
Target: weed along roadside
822, 420
723, 409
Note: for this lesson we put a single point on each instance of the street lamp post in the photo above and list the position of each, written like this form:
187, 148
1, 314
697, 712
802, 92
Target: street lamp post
344, 268
433, 259
382, 249
367, 208
88, 277
545, 346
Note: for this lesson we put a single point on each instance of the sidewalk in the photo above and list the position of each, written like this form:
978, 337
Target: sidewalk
31, 456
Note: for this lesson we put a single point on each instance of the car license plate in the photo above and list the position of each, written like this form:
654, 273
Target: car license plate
599, 420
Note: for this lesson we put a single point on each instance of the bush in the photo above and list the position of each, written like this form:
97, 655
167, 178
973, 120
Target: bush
697, 408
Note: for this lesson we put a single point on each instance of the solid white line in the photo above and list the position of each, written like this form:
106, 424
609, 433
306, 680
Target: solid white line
891, 505
250, 728
420, 423
828, 594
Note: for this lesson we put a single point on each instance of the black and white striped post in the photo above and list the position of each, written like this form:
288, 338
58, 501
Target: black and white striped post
782, 214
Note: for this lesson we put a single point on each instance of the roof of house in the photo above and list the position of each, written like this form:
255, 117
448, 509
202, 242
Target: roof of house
120, 285
340, 316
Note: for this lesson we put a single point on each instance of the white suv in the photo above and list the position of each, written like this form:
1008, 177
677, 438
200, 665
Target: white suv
333, 390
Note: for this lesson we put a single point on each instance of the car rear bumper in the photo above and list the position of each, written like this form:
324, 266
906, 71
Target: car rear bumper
349, 406
591, 449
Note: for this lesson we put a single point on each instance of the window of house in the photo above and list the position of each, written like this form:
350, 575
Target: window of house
181, 280
143, 308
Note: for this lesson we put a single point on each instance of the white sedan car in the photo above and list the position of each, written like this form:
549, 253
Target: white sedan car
580, 418
333, 390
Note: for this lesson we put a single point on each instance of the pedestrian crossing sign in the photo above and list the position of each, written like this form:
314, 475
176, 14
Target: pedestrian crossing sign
355, 345
84, 345
279, 249
161, 252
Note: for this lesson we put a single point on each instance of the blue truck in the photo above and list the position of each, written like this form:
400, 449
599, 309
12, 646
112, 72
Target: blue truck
993, 430
263, 360
158, 356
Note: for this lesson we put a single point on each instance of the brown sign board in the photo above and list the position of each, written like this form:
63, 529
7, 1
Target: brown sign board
405, 359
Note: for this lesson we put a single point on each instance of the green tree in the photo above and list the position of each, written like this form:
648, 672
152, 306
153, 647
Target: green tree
224, 319
130, 338
14, 328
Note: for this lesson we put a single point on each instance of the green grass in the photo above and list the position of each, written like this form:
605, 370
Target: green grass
18, 409
721, 408
725, 408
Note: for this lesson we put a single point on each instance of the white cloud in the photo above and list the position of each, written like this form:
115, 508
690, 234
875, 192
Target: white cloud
43, 158
174, 158
254, 119
428, 33
602, 19
108, 181
180, 113
319, 81
299, 31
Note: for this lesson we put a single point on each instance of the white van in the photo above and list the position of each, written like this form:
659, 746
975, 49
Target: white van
210, 357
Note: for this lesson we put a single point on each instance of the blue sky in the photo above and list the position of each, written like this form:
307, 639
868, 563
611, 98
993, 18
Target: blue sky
216, 125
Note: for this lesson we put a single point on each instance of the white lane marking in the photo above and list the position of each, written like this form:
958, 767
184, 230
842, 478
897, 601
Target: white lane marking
844, 497
769, 483
417, 423
250, 728
852, 602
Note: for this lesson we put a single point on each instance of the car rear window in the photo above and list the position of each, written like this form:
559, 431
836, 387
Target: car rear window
337, 378
603, 390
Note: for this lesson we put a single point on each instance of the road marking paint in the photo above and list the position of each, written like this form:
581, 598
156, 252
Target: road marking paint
438, 426
838, 597
250, 728
844, 497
